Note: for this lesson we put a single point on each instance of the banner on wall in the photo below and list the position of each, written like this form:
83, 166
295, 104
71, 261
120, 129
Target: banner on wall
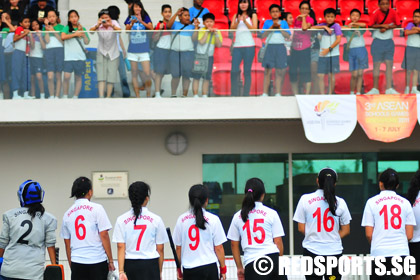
327, 118
387, 118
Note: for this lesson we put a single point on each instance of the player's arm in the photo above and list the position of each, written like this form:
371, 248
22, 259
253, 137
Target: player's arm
68, 250
301, 228
51, 253
1, 252
279, 243
369, 233
178, 254
106, 243
237, 256
410, 32
344, 230
121, 259
220, 253
161, 251
409, 229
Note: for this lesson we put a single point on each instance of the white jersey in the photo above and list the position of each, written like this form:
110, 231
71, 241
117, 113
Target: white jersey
140, 239
256, 235
24, 239
416, 210
321, 226
198, 244
388, 213
82, 224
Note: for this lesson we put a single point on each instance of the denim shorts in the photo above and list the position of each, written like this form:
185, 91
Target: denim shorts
78, 67
54, 59
358, 59
181, 64
36, 64
411, 59
327, 65
382, 50
275, 57
160, 61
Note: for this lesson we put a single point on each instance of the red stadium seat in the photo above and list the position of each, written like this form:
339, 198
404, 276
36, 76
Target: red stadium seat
398, 79
342, 82
291, 6
368, 80
232, 6
216, 7
221, 23
257, 77
222, 54
399, 54
319, 7
371, 6
221, 79
347, 5
263, 6
405, 8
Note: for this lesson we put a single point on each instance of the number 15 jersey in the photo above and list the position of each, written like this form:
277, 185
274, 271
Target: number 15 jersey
82, 224
256, 235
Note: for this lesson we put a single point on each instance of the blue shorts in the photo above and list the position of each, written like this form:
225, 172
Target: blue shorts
411, 59
358, 59
327, 65
36, 64
160, 61
208, 75
54, 59
275, 57
78, 67
181, 64
8, 66
382, 50
2, 65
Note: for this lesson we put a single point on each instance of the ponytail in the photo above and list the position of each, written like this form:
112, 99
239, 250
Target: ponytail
327, 178
138, 192
254, 189
198, 196
81, 187
34, 208
414, 189
390, 179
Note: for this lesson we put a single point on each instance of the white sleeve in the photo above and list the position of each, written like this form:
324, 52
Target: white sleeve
410, 219
102, 219
65, 233
118, 235
233, 233
4, 236
50, 228
277, 228
177, 236
219, 236
299, 215
368, 219
345, 218
161, 235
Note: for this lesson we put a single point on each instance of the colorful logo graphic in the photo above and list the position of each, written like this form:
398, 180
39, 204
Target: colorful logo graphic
326, 106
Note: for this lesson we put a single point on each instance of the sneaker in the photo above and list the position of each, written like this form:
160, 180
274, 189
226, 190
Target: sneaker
373, 91
196, 96
174, 96
65, 96
264, 95
15, 97
51, 97
278, 95
357, 93
1, 96
157, 95
42, 96
27, 96
414, 90
204, 96
391, 91
407, 90
75, 97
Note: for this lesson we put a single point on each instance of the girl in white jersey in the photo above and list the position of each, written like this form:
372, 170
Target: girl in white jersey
389, 221
140, 235
25, 234
199, 238
259, 230
413, 196
85, 232
324, 219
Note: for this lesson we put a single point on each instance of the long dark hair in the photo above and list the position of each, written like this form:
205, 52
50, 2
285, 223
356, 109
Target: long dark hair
249, 11
198, 196
143, 12
138, 192
414, 189
254, 189
81, 187
327, 178
71, 29
390, 179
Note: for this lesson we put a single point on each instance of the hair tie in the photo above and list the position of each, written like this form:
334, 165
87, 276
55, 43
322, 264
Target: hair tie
329, 175
250, 190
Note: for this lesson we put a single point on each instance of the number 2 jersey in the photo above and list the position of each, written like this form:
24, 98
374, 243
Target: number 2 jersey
140, 239
24, 239
256, 235
197, 245
321, 226
388, 213
82, 224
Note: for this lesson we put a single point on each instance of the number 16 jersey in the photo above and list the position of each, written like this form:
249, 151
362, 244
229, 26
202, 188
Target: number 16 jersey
82, 224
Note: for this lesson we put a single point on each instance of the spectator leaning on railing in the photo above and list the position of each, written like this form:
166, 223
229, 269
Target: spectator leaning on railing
40, 11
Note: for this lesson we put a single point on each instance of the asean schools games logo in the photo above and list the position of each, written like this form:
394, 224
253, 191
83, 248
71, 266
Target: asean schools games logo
324, 108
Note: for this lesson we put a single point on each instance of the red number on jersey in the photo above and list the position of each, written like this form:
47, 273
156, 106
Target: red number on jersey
142, 229
395, 214
195, 238
325, 220
255, 228
79, 226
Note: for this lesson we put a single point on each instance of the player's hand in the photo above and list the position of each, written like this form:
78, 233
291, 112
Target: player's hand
382, 30
179, 12
324, 52
276, 25
223, 277
196, 23
123, 276
161, 25
241, 274
179, 275
328, 29
111, 266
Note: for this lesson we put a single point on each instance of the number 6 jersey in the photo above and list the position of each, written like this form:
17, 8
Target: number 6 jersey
256, 235
25, 239
388, 213
321, 226
82, 224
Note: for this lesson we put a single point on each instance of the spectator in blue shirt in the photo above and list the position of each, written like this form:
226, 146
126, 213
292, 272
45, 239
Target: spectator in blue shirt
197, 12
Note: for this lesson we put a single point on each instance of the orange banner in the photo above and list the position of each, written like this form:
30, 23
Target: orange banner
387, 118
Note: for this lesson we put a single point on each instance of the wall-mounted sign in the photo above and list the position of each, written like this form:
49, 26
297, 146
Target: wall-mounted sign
110, 184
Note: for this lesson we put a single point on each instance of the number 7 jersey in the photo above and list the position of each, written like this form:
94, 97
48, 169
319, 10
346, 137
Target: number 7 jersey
82, 224
256, 235
388, 213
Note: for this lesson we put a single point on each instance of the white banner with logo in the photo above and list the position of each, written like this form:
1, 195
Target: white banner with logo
328, 118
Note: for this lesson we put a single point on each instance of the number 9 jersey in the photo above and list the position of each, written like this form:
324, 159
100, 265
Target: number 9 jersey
257, 234
197, 245
388, 213
82, 224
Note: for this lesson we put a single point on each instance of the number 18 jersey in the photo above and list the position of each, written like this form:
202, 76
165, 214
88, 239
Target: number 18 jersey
256, 235
82, 224
321, 226
388, 213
